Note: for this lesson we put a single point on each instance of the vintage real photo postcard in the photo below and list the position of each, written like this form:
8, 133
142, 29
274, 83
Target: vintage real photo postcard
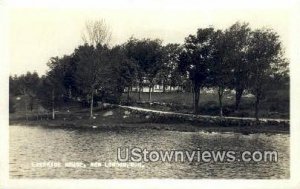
165, 91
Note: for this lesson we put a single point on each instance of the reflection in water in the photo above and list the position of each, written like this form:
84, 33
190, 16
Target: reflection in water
43, 144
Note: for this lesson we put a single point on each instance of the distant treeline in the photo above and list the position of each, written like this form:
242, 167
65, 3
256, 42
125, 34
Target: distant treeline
237, 58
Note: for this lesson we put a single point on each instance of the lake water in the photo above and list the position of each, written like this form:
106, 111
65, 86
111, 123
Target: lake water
31, 146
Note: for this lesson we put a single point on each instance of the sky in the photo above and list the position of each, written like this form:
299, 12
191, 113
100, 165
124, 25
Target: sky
38, 33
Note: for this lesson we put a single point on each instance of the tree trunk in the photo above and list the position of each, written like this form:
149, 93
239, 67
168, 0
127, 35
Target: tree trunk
257, 106
31, 104
53, 110
70, 92
140, 89
26, 113
164, 87
220, 93
128, 93
193, 94
150, 87
92, 104
196, 99
238, 97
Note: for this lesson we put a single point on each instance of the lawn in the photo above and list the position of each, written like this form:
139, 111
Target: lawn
274, 105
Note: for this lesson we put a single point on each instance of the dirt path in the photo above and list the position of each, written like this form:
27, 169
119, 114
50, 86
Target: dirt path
286, 121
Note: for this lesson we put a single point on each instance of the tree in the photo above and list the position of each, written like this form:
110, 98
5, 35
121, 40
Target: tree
130, 49
92, 70
13, 91
96, 33
220, 70
125, 68
27, 86
264, 53
279, 78
168, 73
148, 55
52, 87
68, 68
195, 60
13, 86
48, 94
64, 69
238, 38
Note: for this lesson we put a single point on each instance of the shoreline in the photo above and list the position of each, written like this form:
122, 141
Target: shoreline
125, 117
161, 116
179, 127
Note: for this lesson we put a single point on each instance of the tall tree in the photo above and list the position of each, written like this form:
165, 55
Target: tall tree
27, 86
130, 49
52, 88
264, 53
195, 60
125, 72
168, 73
125, 68
69, 69
148, 55
92, 70
238, 38
220, 69
64, 69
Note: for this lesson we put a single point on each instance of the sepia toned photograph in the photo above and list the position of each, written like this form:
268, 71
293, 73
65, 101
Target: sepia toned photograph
149, 91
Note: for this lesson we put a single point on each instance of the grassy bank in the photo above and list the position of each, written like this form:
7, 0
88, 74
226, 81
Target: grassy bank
118, 119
